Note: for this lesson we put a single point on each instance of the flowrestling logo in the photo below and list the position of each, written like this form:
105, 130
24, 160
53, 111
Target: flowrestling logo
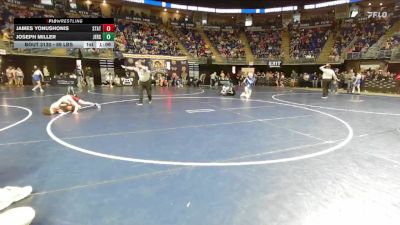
377, 14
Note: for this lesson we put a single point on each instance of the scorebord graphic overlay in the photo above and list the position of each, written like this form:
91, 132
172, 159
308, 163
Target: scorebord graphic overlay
64, 33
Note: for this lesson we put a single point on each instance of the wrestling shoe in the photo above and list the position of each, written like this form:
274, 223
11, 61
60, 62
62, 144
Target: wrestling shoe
9, 195
138, 103
17, 216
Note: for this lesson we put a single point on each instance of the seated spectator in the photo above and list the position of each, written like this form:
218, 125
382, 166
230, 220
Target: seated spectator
307, 42
227, 43
265, 44
193, 42
145, 38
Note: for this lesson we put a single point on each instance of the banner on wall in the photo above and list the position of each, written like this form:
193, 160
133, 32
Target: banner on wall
176, 24
137, 19
316, 24
106, 70
15, 2
160, 67
370, 66
194, 70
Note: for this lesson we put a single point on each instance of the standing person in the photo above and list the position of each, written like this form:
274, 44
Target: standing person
238, 79
19, 77
282, 79
306, 79
363, 79
314, 80
110, 78
184, 75
37, 77
349, 79
89, 77
46, 75
11, 76
327, 75
311, 78
397, 79
277, 78
357, 83
249, 82
293, 77
202, 78
144, 80
79, 76
222, 75
335, 83
213, 79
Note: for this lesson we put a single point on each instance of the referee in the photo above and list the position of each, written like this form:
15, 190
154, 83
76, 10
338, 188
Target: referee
144, 79
327, 76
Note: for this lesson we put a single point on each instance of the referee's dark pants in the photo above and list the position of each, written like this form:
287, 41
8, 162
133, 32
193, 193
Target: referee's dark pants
147, 86
325, 87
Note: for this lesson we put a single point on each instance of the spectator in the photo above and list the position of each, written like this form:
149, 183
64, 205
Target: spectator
307, 43
89, 77
37, 78
193, 42
19, 77
79, 76
145, 38
265, 44
293, 77
227, 43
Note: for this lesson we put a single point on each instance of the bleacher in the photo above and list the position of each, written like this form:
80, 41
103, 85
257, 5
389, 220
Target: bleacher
227, 42
265, 43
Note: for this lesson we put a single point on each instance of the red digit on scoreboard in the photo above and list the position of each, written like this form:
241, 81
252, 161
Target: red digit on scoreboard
108, 27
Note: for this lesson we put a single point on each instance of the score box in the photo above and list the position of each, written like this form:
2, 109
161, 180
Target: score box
108, 27
108, 36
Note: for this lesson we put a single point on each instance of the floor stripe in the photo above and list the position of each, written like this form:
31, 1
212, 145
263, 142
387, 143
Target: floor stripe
199, 110
105, 182
289, 129
210, 164
255, 107
383, 158
20, 121
331, 108
32, 96
24, 142
116, 95
277, 151
181, 127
